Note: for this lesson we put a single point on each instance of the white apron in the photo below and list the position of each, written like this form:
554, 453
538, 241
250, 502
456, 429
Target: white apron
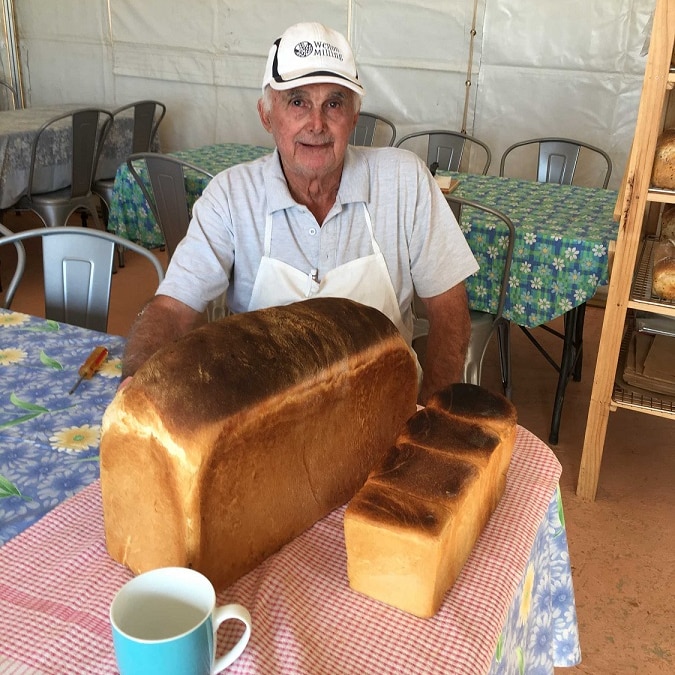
365, 280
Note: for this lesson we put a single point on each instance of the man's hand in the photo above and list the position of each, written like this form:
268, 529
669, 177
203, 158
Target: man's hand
448, 340
163, 320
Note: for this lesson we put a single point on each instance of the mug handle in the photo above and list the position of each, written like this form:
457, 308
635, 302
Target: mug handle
224, 613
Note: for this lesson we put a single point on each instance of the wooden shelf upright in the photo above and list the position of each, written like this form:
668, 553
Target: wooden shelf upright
635, 198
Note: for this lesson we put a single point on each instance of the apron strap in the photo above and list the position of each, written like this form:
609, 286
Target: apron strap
268, 234
369, 224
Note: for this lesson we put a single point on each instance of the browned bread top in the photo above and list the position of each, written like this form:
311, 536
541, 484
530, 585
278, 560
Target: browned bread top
437, 431
472, 402
232, 364
425, 474
393, 508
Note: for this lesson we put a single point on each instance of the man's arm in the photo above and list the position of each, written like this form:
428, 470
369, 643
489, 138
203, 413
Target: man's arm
163, 320
448, 340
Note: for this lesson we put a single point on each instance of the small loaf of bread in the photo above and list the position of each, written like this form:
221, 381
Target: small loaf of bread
233, 440
410, 529
663, 171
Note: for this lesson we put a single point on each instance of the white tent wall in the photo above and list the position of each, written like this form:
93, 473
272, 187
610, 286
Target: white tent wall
538, 68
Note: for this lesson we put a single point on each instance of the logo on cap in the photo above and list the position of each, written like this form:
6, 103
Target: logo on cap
303, 49
325, 49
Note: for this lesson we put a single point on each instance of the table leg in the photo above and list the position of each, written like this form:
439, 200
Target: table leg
579, 341
571, 354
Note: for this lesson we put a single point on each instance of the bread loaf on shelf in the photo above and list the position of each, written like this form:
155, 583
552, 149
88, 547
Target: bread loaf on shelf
236, 438
412, 526
667, 231
663, 271
663, 171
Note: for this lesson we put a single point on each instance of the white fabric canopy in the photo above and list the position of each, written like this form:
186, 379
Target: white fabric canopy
570, 68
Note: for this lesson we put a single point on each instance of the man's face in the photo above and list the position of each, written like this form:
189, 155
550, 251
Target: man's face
311, 127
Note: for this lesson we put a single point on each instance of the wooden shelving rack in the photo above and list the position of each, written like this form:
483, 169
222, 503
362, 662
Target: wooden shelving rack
630, 283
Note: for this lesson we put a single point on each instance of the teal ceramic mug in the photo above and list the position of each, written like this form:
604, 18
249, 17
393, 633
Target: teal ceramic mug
165, 621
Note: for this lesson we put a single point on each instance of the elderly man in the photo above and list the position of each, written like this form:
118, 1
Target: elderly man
319, 217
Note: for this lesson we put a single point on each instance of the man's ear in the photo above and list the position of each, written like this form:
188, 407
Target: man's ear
264, 116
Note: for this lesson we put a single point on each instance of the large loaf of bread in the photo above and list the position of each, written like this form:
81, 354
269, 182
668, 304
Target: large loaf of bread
236, 438
412, 526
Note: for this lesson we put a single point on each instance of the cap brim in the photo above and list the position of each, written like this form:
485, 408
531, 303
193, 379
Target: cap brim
316, 79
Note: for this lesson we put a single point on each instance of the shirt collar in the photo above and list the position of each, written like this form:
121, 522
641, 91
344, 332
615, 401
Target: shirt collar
354, 185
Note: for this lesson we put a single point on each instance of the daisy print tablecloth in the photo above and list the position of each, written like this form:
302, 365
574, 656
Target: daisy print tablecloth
48, 438
560, 256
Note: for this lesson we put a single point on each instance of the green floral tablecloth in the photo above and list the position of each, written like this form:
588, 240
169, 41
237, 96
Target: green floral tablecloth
562, 233
560, 254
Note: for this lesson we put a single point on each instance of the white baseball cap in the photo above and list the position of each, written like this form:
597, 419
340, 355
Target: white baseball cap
311, 53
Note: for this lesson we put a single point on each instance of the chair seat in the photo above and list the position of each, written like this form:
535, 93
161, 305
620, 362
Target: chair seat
104, 189
53, 198
482, 325
56, 207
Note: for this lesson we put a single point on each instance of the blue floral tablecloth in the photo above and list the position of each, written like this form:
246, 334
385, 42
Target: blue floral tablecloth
541, 630
19, 127
48, 439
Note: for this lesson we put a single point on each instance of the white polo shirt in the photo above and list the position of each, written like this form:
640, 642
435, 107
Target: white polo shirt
412, 223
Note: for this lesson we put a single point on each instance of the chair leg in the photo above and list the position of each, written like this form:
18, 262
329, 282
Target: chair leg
504, 342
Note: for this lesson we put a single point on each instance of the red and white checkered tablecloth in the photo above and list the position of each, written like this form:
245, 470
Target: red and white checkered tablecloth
57, 582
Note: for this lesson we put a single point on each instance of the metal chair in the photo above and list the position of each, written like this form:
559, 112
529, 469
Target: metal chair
557, 159
77, 267
483, 324
446, 149
166, 181
147, 118
8, 93
54, 208
163, 179
369, 126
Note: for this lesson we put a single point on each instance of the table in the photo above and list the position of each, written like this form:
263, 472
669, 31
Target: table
513, 603
17, 131
48, 439
563, 233
560, 258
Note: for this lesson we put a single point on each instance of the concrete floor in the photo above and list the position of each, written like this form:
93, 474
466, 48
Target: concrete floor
621, 545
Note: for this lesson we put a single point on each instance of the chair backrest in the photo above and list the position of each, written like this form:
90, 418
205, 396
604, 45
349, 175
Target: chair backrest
459, 207
86, 125
77, 267
557, 159
446, 149
148, 115
8, 94
162, 178
366, 127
